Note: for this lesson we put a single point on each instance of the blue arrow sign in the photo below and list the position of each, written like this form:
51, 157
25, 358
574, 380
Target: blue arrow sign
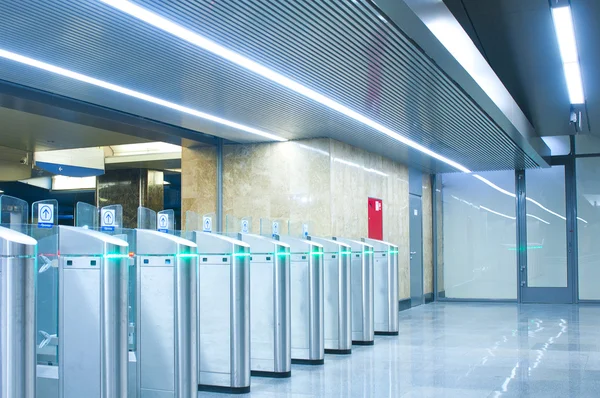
45, 216
108, 220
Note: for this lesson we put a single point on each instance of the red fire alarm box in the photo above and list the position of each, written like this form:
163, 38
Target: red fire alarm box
375, 218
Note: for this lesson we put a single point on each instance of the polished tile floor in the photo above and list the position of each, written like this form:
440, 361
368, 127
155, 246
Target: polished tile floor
462, 350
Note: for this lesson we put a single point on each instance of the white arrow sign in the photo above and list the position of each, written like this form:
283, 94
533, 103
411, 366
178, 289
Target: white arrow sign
275, 228
45, 216
207, 224
245, 226
107, 219
163, 222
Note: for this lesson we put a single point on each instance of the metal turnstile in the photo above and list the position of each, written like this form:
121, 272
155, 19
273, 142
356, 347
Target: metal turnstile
18, 267
362, 291
385, 271
92, 320
337, 287
270, 318
223, 313
307, 303
166, 286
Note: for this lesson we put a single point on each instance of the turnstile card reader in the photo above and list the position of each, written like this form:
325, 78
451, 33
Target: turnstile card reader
166, 316
92, 319
223, 313
307, 303
337, 287
362, 291
385, 271
18, 268
270, 318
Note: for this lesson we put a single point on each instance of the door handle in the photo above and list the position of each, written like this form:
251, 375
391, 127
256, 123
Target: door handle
413, 253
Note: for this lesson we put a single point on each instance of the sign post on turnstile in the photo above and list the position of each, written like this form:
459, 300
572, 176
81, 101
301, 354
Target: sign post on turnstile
18, 271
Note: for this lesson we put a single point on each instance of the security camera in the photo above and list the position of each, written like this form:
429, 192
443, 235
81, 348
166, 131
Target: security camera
23, 160
573, 117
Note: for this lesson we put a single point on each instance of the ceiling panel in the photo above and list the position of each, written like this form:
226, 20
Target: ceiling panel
519, 41
345, 50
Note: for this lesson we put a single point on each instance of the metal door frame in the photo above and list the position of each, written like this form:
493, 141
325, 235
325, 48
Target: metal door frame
549, 295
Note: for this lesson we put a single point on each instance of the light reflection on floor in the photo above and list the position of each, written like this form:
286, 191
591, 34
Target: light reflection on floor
462, 350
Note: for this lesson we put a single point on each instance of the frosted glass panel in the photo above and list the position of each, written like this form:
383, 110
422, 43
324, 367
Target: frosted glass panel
479, 229
588, 227
546, 227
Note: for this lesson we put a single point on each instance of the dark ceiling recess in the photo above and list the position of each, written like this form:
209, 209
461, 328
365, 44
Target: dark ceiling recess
519, 41
345, 50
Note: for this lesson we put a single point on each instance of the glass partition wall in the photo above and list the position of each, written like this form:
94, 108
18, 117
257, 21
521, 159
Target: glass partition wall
527, 236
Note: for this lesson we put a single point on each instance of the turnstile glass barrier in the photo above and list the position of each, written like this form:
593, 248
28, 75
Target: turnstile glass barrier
385, 271
18, 274
362, 291
270, 318
166, 325
337, 291
223, 313
307, 301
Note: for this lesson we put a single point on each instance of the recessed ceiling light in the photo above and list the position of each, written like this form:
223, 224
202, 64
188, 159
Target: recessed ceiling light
113, 87
565, 34
209, 45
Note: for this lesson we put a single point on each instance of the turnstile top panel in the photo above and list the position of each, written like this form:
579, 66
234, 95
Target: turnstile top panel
356, 245
14, 243
86, 242
379, 245
298, 245
261, 244
330, 245
209, 243
150, 242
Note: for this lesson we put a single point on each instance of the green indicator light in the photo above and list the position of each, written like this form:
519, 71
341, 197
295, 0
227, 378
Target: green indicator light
317, 253
187, 255
111, 256
393, 251
283, 254
345, 253
241, 254
368, 252
528, 248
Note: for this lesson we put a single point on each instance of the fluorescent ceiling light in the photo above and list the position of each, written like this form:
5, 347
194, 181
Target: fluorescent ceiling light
537, 218
208, 45
565, 34
497, 213
113, 87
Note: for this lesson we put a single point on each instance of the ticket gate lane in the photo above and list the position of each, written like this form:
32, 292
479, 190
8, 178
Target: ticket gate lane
269, 306
337, 296
385, 269
93, 295
307, 301
166, 317
223, 307
362, 291
18, 267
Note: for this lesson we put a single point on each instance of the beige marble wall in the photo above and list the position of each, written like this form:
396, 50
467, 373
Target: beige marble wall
320, 181
287, 181
427, 236
198, 181
357, 175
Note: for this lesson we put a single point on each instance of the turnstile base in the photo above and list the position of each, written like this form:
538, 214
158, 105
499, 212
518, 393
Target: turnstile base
386, 333
308, 361
338, 352
277, 375
224, 390
362, 342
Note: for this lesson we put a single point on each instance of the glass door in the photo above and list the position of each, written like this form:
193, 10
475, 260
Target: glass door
547, 275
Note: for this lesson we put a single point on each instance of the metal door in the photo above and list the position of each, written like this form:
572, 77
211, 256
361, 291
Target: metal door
548, 255
416, 251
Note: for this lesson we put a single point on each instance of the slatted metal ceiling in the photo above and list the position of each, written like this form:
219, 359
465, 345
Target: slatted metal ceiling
343, 49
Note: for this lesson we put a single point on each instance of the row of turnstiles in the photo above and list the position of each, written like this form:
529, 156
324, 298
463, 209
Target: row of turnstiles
210, 311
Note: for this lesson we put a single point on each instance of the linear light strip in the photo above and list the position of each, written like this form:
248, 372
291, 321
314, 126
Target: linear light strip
208, 45
497, 213
535, 202
136, 94
567, 44
537, 218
